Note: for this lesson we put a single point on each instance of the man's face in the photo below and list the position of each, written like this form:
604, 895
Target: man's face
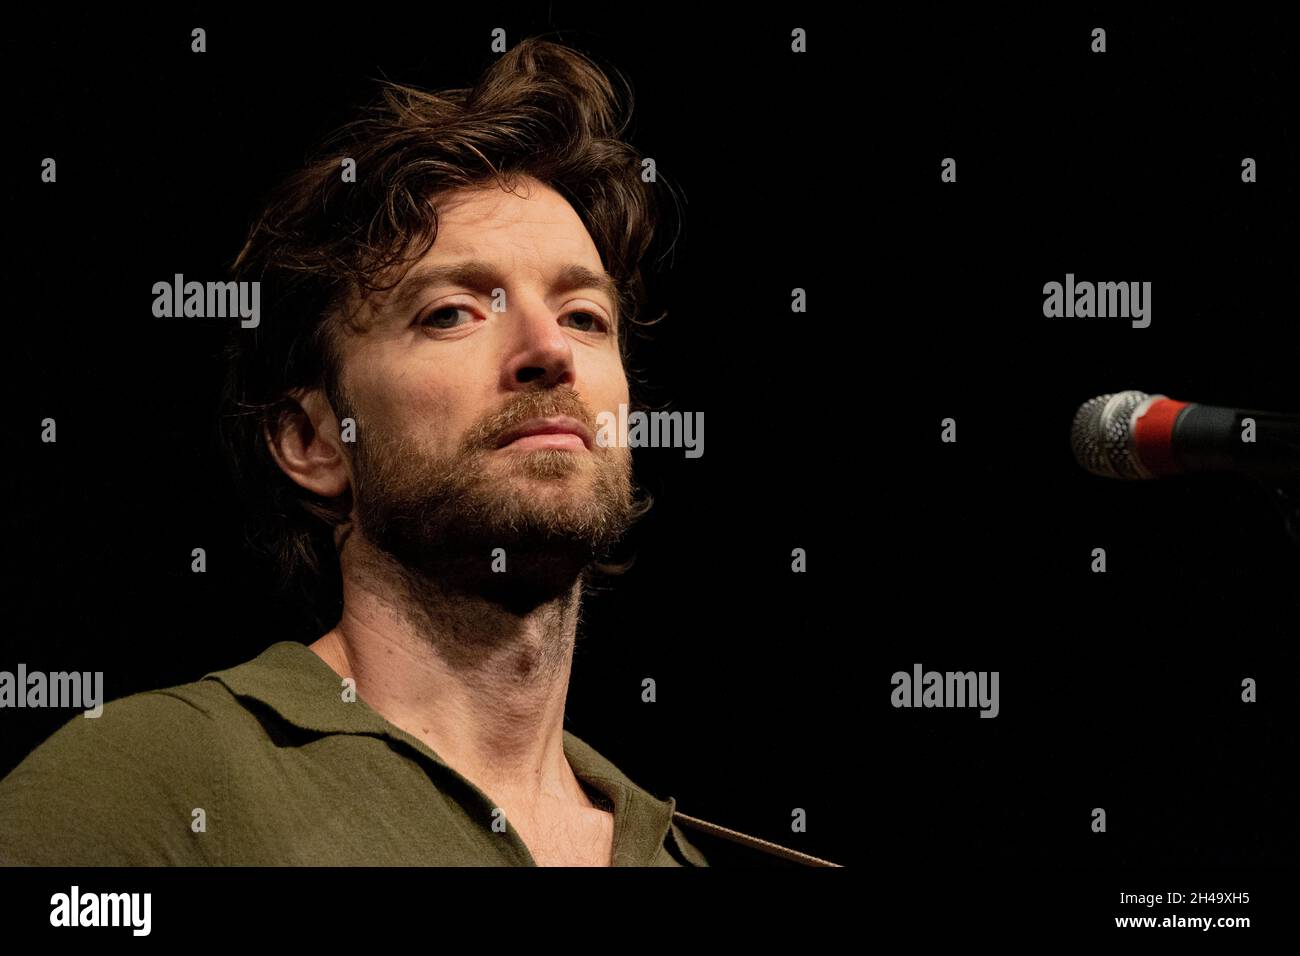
439, 378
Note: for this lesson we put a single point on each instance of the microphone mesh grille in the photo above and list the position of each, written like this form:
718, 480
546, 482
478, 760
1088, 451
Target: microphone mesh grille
1100, 435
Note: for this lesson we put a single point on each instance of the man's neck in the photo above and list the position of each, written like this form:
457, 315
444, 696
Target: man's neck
482, 686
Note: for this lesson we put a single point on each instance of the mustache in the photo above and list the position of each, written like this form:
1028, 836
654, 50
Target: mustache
530, 405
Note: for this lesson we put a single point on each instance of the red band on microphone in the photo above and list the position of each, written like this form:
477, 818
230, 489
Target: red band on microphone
1154, 436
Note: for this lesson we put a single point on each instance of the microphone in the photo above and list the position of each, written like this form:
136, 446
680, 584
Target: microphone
1134, 436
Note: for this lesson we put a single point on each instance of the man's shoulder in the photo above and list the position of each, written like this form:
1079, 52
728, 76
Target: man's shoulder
119, 788
170, 718
150, 720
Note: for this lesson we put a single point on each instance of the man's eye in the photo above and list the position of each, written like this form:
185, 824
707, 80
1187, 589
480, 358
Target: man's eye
603, 325
444, 318
432, 320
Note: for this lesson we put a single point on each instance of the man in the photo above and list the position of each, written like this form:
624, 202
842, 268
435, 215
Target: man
451, 284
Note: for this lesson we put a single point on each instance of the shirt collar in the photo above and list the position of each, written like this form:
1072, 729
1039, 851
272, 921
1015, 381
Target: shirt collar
297, 684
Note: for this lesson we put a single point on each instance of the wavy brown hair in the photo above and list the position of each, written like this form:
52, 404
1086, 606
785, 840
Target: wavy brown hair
542, 110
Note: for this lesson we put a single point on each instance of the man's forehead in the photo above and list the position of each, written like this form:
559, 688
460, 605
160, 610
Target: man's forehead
476, 228
529, 201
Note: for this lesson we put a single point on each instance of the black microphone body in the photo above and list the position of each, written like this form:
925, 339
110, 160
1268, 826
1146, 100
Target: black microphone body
1209, 438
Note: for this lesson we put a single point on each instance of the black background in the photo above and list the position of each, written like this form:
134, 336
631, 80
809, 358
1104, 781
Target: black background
1121, 690
818, 171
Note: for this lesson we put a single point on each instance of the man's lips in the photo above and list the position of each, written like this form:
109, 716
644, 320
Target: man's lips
558, 432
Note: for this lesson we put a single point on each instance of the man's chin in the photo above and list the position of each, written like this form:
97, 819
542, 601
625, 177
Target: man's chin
544, 464
546, 512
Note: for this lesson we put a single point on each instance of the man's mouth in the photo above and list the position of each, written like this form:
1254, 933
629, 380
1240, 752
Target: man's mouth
566, 440
558, 432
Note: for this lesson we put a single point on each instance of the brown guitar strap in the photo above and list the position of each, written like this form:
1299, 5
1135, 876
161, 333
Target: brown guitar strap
753, 842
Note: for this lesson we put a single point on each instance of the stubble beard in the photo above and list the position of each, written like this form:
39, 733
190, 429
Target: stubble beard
514, 526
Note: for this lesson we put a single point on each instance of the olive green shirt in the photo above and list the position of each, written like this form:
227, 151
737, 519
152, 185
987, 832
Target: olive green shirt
266, 764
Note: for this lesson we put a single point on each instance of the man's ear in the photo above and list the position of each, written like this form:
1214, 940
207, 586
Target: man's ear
303, 437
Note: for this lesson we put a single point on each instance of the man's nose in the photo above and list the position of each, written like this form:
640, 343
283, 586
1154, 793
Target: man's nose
540, 351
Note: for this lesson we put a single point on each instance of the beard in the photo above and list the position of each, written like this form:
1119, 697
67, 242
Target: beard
440, 519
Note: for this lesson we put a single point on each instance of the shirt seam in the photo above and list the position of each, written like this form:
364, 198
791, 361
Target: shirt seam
220, 779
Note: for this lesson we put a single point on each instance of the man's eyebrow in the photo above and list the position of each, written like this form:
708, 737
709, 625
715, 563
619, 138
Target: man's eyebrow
484, 277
